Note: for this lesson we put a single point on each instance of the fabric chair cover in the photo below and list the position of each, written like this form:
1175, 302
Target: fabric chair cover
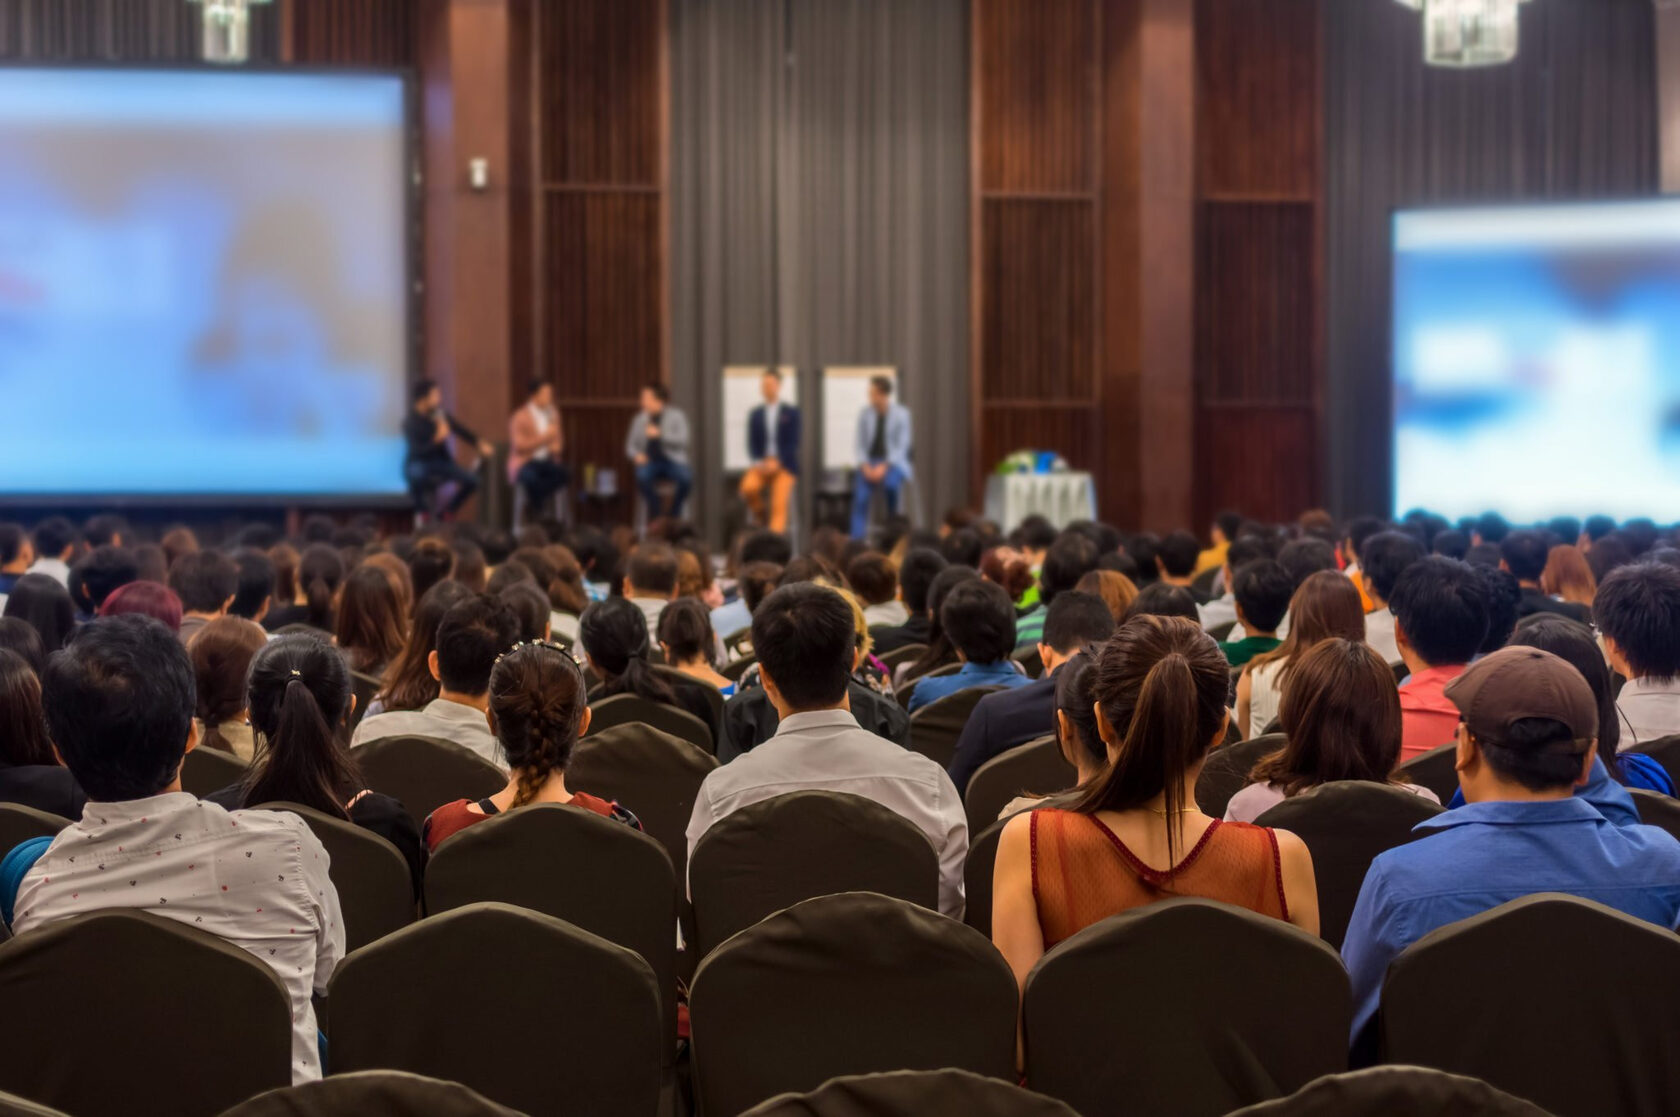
622, 709
1188, 1007
977, 877
914, 1093
775, 853
371, 1093
1436, 769
1035, 768
909, 687
1345, 825
712, 695
13, 1106
121, 1012
1393, 1091
375, 892
735, 668
528, 1010
206, 771
1657, 810
934, 728
1227, 769
1558, 1000
598, 875
909, 653
424, 773
652, 773
19, 824
847, 984
1665, 751
365, 688
1031, 662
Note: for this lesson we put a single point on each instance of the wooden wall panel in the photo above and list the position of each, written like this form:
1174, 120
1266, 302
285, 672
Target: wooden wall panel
1257, 71
117, 31
1067, 428
1263, 461
1039, 304
600, 66
1033, 81
1254, 301
351, 32
604, 304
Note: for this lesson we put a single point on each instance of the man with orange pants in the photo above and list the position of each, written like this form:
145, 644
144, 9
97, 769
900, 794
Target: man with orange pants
773, 444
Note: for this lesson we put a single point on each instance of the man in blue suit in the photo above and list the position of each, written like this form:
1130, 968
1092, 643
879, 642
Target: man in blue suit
883, 453
773, 445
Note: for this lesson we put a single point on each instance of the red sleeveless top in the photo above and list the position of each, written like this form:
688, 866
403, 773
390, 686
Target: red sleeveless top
1082, 873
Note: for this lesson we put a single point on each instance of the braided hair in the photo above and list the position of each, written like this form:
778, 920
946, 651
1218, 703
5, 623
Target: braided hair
537, 703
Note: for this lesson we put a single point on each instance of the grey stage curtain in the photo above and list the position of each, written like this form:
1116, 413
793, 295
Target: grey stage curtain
1575, 116
820, 213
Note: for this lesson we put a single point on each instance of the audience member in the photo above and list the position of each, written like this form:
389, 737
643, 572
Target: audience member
1525, 554
471, 568
1175, 561
1503, 596
99, 574
369, 621
409, 683
1638, 614
1115, 590
255, 593
432, 561
1302, 558
616, 644
941, 652
1383, 558
206, 582
17, 555
1440, 620
55, 545
1034, 536
221, 657
30, 774
1077, 735
1360, 529
874, 579
1262, 590
1607, 555
42, 600
150, 599
1158, 599
650, 581
686, 637
19, 637
1008, 568
1325, 607
176, 542
104, 529
1222, 609
530, 609
915, 580
119, 706
1222, 534
979, 619
1568, 577
1451, 544
320, 573
1070, 558
567, 597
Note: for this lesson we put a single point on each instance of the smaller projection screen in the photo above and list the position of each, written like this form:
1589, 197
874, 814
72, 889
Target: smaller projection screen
203, 283
1537, 360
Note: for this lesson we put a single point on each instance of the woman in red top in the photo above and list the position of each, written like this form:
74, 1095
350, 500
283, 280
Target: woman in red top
538, 709
1135, 835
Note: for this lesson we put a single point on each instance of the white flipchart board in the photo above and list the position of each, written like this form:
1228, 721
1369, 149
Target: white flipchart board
740, 395
845, 393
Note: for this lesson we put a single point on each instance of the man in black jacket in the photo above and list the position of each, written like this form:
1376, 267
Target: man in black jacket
1524, 554
429, 464
915, 578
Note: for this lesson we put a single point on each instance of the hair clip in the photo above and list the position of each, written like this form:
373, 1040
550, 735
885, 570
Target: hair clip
296, 674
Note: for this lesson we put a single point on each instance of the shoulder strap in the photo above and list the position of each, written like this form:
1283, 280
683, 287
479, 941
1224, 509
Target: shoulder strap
16, 865
488, 807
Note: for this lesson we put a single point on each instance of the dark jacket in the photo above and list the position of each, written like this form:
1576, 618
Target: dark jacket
787, 437
751, 719
1536, 601
890, 638
46, 787
1000, 722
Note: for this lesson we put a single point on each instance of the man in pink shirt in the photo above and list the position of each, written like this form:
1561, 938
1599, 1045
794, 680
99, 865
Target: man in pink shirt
1440, 620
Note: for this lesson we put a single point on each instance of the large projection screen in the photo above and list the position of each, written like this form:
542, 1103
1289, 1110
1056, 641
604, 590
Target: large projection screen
203, 283
1537, 360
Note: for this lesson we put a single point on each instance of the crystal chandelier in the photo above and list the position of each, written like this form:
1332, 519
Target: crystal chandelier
1466, 33
226, 35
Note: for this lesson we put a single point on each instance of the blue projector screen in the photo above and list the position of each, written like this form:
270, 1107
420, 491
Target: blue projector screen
1537, 361
203, 283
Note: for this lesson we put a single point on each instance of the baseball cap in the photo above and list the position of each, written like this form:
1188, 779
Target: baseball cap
1521, 682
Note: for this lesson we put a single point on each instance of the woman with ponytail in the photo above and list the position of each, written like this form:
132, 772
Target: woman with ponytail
1134, 835
614, 636
299, 702
538, 710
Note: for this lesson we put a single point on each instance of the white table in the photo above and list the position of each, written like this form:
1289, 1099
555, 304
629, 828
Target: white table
1060, 498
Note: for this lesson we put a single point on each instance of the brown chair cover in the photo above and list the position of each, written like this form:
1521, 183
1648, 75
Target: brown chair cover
597, 874
847, 984
735, 668
712, 695
206, 771
914, 1093
1188, 1007
1227, 769
529, 1010
1558, 1000
1656, 809
19, 824
773, 854
654, 774
365, 688
1436, 769
1665, 751
1035, 768
909, 653
1345, 825
1395, 1092
977, 877
622, 709
13, 1106
424, 773
909, 687
934, 728
128, 1014
372, 1093
375, 891
1031, 662
732, 641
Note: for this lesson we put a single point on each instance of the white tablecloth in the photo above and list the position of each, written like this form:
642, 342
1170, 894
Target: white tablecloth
1060, 498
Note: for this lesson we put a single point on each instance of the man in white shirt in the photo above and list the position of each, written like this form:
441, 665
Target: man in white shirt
119, 704
806, 647
55, 543
650, 582
1385, 556
471, 637
1637, 609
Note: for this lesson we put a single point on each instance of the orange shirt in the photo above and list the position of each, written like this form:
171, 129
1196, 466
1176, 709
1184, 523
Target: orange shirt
1428, 719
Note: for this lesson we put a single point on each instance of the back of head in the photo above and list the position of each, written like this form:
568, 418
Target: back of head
103, 571
1441, 606
1076, 619
530, 608
1491, 526
178, 541
12, 539
205, 581
471, 568
652, 571
1247, 549
408, 681
1638, 608
221, 654
915, 577
810, 568
1608, 554
470, 637
685, 629
806, 640
1177, 554
1115, 589
509, 573
1504, 601
566, 592
299, 699
614, 634
43, 601
1263, 590
104, 530
1453, 544
1008, 569
1567, 574
873, 578
1158, 599
1359, 530
1573, 642
369, 624
19, 637
256, 583
979, 618
1341, 716
119, 704
320, 573
1524, 554
1076, 700
1385, 556
1069, 559
1035, 533
1325, 607
537, 706
150, 599
1302, 558
53, 536
429, 563
756, 580
498, 545
1641, 535
537, 562
23, 727
766, 546
963, 548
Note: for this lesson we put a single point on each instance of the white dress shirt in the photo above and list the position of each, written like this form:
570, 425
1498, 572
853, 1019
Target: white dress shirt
1379, 634
255, 878
542, 418
441, 718
827, 750
54, 568
1649, 710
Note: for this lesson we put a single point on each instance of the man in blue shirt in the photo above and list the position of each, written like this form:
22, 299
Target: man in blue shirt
1525, 742
883, 453
980, 620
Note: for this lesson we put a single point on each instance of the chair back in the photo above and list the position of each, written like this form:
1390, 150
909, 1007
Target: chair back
13, 1106
184, 1023
206, 771
847, 984
388, 1093
977, 876
934, 728
1031, 661
914, 1093
1206, 1007
1665, 751
1385, 1091
375, 890
1436, 769
712, 695
1590, 1037
909, 653
1345, 825
656, 775
626, 709
1035, 768
365, 688
733, 641
424, 773
735, 668
1222, 632
1227, 769
1658, 810
19, 824
528, 1010
597, 874
775, 853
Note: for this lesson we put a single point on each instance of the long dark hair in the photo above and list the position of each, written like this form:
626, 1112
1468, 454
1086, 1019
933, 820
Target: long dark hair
46, 605
614, 634
408, 680
1341, 715
370, 616
299, 699
18, 635
685, 628
23, 725
320, 573
221, 655
1572, 641
537, 701
940, 650
1161, 686
1325, 606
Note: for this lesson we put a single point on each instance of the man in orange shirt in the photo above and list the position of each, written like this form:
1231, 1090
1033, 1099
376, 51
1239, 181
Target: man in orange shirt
1440, 620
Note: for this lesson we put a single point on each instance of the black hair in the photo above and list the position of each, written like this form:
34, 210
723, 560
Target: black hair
1574, 642
45, 604
1076, 698
204, 581
1504, 601
1608, 554
1638, 606
422, 388
1383, 557
507, 575
1302, 558
119, 705
299, 700
430, 562
1539, 753
102, 571
1360, 529
882, 384
872, 577
980, 620
1453, 544
1525, 554
915, 577
1075, 619
1566, 528
1491, 526
255, 584
1597, 527
614, 634
1229, 521
1069, 559
19, 636
530, 607
963, 547
1441, 606
1158, 599
535, 385
1641, 535
53, 535
1263, 590
660, 392
653, 568
1246, 549
685, 628
1119, 562
1143, 547
1177, 554
1484, 554
320, 573
940, 650
806, 638
104, 529
23, 727
537, 702
470, 637
497, 546
1036, 532
11, 542
766, 546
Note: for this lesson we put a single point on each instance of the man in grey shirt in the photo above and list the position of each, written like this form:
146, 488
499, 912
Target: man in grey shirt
658, 447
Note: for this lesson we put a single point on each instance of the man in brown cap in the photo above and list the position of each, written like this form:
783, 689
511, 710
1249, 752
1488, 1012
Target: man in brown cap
1528, 723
